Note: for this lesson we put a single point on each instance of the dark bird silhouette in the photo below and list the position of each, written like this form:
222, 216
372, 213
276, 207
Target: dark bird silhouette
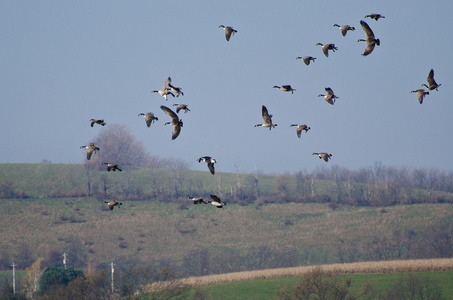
175, 121
371, 41
421, 93
344, 29
216, 201
149, 118
267, 119
197, 200
112, 167
113, 203
91, 147
228, 31
375, 16
184, 107
307, 59
323, 155
300, 128
165, 91
326, 48
100, 122
210, 161
330, 96
432, 83
285, 88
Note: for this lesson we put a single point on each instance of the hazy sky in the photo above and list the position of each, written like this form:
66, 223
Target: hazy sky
65, 62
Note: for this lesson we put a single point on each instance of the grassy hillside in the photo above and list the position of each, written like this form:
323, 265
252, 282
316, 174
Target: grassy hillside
149, 231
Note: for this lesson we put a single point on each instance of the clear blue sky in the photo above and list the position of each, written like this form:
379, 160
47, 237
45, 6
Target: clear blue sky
65, 62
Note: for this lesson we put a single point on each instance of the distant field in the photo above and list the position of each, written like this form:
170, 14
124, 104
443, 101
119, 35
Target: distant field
146, 230
264, 289
264, 283
395, 266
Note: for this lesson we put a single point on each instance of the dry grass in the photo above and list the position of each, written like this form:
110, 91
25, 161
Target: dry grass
158, 227
392, 266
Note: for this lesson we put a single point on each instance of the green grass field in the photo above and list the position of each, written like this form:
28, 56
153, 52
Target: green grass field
265, 288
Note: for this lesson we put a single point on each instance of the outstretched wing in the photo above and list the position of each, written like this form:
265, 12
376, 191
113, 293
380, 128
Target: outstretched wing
215, 198
266, 117
211, 167
170, 113
430, 78
167, 84
369, 33
176, 131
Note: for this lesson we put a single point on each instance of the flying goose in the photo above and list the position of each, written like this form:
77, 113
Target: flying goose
432, 83
307, 59
370, 40
112, 167
165, 91
344, 29
175, 121
267, 119
375, 16
100, 122
330, 96
421, 93
184, 107
149, 118
216, 201
176, 90
285, 88
197, 200
300, 128
228, 31
210, 161
326, 48
113, 203
91, 147
323, 155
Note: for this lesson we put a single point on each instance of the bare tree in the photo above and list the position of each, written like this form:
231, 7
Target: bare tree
117, 145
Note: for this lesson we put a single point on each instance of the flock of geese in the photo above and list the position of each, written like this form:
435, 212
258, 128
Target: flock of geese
170, 90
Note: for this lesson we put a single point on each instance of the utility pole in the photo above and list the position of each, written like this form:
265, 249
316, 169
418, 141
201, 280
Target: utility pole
64, 259
113, 271
14, 277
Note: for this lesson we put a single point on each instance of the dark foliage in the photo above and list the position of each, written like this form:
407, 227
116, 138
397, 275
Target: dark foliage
55, 277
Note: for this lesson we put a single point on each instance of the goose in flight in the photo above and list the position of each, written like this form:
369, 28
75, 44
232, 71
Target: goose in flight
175, 121
267, 119
184, 107
149, 118
91, 147
165, 91
197, 200
113, 203
326, 48
371, 41
432, 83
176, 90
375, 16
216, 201
285, 88
421, 93
100, 122
323, 155
330, 96
210, 161
344, 29
300, 128
112, 167
307, 59
228, 31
